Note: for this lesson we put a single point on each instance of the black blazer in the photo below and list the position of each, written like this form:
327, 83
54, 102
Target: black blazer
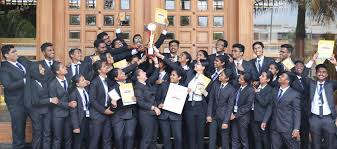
302, 87
56, 90
329, 87
97, 98
122, 112
40, 96
221, 102
160, 98
265, 65
49, 75
12, 78
146, 94
245, 102
286, 113
248, 68
84, 69
261, 102
77, 114
211, 59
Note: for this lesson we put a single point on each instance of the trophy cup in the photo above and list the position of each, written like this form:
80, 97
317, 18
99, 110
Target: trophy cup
150, 50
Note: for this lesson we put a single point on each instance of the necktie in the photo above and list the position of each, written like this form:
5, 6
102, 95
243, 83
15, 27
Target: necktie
237, 97
214, 75
259, 65
301, 84
106, 94
321, 100
76, 69
64, 85
86, 99
50, 63
20, 67
279, 95
237, 70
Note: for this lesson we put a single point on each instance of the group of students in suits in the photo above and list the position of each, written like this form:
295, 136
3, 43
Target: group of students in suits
257, 104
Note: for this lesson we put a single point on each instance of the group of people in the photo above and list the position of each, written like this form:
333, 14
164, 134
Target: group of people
259, 104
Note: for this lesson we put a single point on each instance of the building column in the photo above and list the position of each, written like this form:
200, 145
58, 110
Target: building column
59, 29
245, 26
44, 24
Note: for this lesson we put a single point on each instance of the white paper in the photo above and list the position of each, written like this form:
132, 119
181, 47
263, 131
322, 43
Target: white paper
113, 94
175, 98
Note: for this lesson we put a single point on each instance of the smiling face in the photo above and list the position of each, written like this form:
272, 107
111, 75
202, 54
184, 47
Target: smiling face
174, 77
82, 82
299, 68
236, 53
321, 74
41, 70
218, 64
198, 67
220, 46
49, 52
173, 47
258, 50
263, 78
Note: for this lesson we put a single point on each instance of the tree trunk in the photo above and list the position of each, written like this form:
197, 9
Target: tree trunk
300, 29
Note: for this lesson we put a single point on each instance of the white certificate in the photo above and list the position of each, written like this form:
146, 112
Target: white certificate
175, 98
325, 50
113, 94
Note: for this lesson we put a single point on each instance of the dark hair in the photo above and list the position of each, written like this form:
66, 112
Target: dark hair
204, 52
289, 47
45, 45
114, 72
188, 56
275, 64
101, 35
34, 71
97, 42
269, 75
5, 49
239, 46
204, 63
258, 43
55, 67
103, 56
223, 59
178, 72
113, 43
298, 61
72, 51
320, 66
246, 77
228, 73
224, 41
174, 41
75, 79
290, 76
134, 36
97, 65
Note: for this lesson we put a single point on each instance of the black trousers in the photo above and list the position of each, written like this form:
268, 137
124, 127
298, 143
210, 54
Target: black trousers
100, 130
322, 128
278, 139
195, 121
149, 126
261, 137
41, 124
304, 131
124, 133
81, 140
214, 129
62, 133
18, 115
240, 132
174, 127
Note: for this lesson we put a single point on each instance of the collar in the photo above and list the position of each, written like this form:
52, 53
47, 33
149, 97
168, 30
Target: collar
78, 63
144, 83
58, 79
240, 61
299, 77
242, 87
318, 83
284, 89
224, 84
80, 89
262, 87
102, 78
47, 61
216, 54
260, 58
219, 71
13, 63
186, 67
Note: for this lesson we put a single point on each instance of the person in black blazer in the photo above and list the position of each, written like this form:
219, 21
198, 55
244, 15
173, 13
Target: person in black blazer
145, 92
100, 48
284, 114
14, 77
274, 69
240, 117
40, 108
59, 88
301, 86
240, 65
80, 114
323, 115
77, 66
220, 47
170, 122
173, 47
100, 104
220, 107
124, 120
48, 52
263, 98
260, 63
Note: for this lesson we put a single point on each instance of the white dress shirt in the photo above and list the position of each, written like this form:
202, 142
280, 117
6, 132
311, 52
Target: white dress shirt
316, 103
84, 102
192, 85
73, 68
61, 82
49, 63
105, 89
